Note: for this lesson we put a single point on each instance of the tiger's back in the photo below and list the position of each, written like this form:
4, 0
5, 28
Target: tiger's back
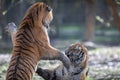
25, 53
24, 58
21, 68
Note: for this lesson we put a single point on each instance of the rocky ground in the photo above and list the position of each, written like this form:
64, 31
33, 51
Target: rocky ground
104, 64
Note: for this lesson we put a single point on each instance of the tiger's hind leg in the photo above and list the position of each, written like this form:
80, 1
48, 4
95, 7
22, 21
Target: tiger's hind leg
45, 73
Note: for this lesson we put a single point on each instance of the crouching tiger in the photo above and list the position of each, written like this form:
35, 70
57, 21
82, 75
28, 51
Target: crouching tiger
78, 56
31, 43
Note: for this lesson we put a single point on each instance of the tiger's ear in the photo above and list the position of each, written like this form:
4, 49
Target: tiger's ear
48, 8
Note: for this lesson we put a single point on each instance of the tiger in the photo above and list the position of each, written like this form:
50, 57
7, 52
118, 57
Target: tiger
31, 44
78, 55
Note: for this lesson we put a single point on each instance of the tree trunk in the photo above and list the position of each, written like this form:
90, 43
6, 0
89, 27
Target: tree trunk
113, 9
90, 21
58, 17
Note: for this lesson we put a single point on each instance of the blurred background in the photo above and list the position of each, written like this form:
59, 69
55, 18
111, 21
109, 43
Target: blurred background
95, 23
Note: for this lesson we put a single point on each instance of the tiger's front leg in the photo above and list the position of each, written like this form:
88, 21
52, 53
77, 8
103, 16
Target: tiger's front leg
54, 54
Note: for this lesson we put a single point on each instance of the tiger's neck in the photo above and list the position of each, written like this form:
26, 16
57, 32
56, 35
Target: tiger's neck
46, 32
41, 34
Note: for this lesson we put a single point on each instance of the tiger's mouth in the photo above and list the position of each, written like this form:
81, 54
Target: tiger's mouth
46, 25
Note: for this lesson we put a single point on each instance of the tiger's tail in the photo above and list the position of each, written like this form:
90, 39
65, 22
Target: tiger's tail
12, 29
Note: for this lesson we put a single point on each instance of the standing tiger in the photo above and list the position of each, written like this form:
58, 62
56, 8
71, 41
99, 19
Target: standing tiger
31, 44
78, 55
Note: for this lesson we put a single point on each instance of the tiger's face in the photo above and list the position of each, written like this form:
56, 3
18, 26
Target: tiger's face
77, 54
48, 15
40, 13
48, 18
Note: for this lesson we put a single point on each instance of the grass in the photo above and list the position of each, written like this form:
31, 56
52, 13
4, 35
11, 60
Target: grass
89, 78
4, 66
3, 69
107, 34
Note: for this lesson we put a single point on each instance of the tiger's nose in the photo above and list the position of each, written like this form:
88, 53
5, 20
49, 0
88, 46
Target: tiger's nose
48, 8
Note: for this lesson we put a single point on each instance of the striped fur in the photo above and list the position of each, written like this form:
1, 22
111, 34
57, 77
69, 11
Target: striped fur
78, 55
31, 44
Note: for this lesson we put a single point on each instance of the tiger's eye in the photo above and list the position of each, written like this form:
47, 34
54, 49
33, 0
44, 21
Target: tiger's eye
48, 8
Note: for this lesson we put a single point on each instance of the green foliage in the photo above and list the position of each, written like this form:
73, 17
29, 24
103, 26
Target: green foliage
3, 69
118, 2
89, 78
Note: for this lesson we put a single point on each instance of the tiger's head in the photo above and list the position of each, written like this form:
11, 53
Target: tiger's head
40, 14
77, 54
